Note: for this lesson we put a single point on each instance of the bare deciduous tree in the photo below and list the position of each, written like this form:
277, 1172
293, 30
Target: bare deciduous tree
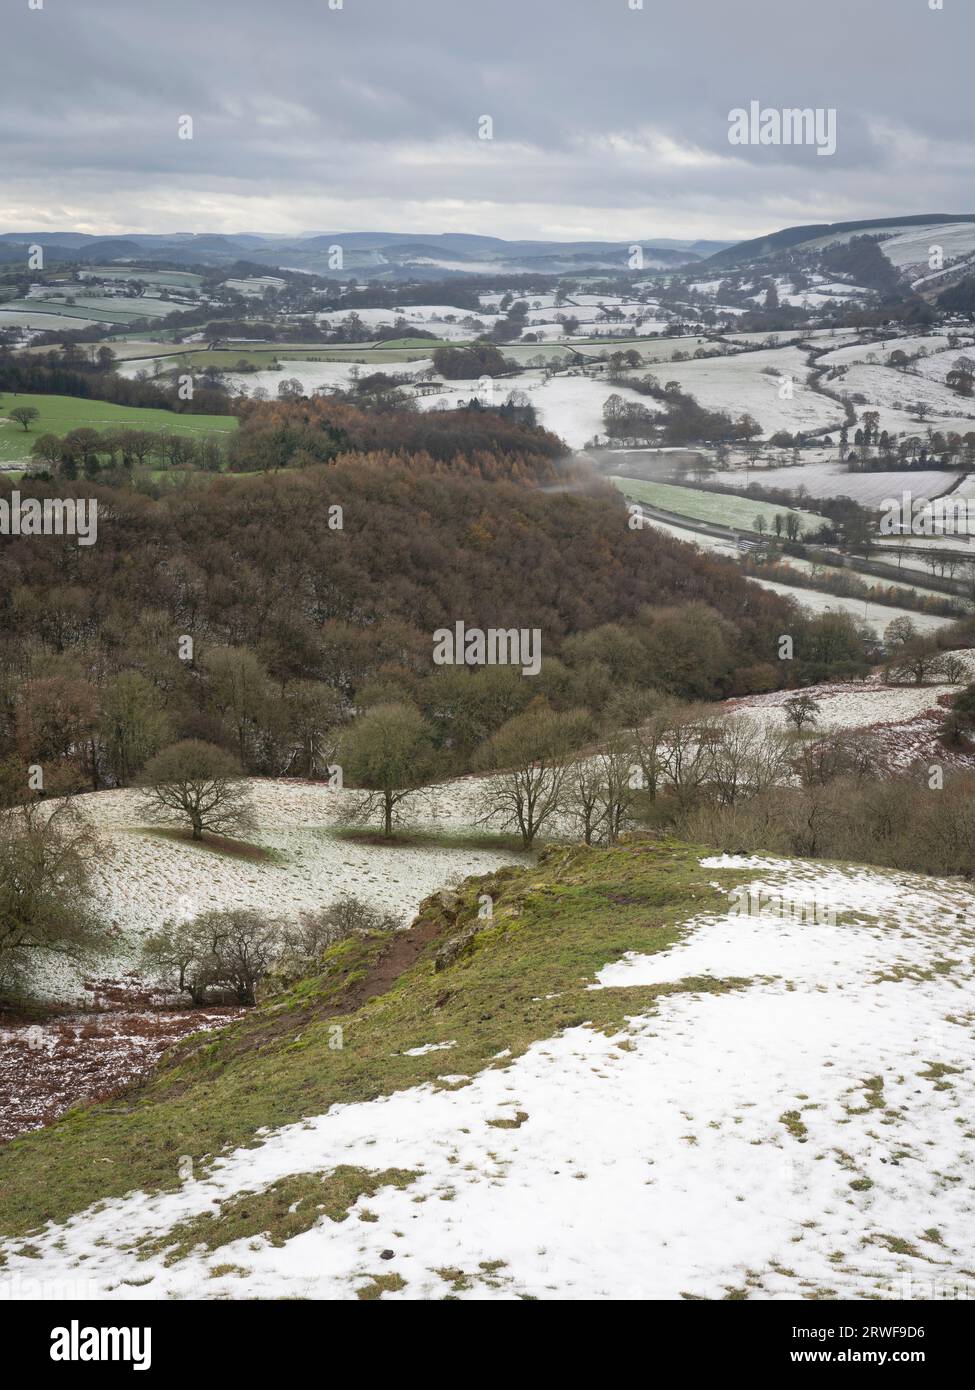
199, 783
388, 752
45, 855
800, 710
528, 761
232, 950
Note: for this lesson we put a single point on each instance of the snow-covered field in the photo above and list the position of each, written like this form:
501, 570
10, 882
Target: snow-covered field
910, 245
572, 406
143, 878
905, 579
819, 292
698, 538
875, 616
893, 394
881, 351
821, 336
804, 1135
569, 406
432, 318
738, 384
650, 349
966, 488
317, 375
835, 480
847, 705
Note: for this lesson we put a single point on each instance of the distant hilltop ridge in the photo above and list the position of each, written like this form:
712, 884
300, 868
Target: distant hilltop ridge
437, 255
381, 255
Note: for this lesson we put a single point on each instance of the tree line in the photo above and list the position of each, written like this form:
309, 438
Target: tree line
286, 615
66, 371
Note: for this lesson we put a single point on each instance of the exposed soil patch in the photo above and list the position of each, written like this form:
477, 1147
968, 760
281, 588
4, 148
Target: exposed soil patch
405, 947
374, 971
48, 1066
216, 844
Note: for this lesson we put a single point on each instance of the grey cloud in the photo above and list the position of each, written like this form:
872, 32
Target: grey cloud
302, 112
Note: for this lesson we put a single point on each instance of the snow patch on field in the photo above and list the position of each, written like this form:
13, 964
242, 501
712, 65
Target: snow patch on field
875, 616
848, 705
318, 376
893, 394
739, 384
142, 878
833, 479
872, 350
569, 406
806, 1134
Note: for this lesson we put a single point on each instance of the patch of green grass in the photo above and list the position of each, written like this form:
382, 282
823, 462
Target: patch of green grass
280, 1212
523, 978
915, 974
486, 1274
937, 1072
59, 414
516, 1122
428, 344
280, 356
874, 1090
898, 1246
221, 845
431, 839
104, 311
380, 1284
792, 1119
715, 507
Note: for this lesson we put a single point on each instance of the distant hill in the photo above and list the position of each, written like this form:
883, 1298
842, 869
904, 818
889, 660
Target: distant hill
380, 255
792, 237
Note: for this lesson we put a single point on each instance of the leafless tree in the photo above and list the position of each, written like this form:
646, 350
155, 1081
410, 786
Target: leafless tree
198, 783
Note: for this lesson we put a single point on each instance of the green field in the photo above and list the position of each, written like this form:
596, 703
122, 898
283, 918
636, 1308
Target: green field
185, 279
96, 308
524, 352
59, 414
45, 321
264, 357
715, 507
430, 344
145, 308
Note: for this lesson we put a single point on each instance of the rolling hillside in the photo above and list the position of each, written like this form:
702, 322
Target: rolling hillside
641, 1048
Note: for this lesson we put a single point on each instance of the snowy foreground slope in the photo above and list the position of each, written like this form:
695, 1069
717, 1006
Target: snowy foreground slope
794, 1120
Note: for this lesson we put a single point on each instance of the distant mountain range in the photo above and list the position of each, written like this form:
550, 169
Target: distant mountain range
378, 255
435, 256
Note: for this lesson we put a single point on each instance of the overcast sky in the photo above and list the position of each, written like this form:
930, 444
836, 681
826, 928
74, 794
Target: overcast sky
609, 121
